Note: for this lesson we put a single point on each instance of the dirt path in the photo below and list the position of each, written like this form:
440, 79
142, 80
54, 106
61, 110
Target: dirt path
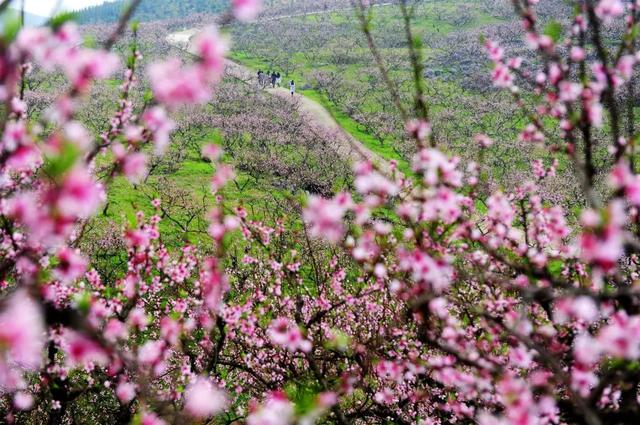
347, 146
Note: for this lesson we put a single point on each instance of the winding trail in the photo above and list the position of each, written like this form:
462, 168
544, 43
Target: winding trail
347, 146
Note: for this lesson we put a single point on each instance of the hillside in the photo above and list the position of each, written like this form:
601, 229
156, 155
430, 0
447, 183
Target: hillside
332, 212
155, 10
150, 10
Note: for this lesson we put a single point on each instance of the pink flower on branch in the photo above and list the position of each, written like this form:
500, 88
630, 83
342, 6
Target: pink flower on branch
176, 85
609, 9
22, 338
160, 125
246, 10
125, 391
203, 399
325, 216
276, 410
79, 195
602, 240
72, 265
286, 334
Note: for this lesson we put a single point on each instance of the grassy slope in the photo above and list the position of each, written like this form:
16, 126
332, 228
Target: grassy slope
348, 124
193, 175
426, 25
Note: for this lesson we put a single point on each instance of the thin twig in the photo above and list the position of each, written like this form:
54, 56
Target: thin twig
126, 16
366, 29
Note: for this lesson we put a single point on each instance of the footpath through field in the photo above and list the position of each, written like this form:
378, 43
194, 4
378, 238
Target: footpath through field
347, 146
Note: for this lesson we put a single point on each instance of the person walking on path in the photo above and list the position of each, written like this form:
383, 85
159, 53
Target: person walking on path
273, 79
292, 86
260, 77
278, 79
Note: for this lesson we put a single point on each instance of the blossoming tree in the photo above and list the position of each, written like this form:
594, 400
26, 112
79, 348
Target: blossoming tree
416, 299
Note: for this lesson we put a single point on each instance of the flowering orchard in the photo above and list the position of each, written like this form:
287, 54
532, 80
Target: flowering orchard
416, 299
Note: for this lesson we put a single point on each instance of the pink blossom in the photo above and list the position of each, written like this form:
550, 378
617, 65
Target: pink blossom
495, 52
151, 352
203, 399
246, 10
85, 65
138, 319
211, 46
609, 9
501, 76
174, 85
621, 177
72, 265
435, 274
82, 350
594, 112
15, 134
287, 335
160, 125
500, 209
276, 410
212, 152
577, 54
23, 401
620, 338
214, 284
18, 107
115, 330
418, 129
582, 308
625, 65
80, 196
569, 91
22, 339
587, 350
222, 176
437, 168
134, 167
327, 399
169, 330
324, 216
583, 381
126, 392
76, 133
369, 181
483, 140
18, 144
531, 134
149, 418
603, 245
385, 397
24, 158
521, 357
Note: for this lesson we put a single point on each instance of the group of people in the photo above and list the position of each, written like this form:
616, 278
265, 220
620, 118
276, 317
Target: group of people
274, 79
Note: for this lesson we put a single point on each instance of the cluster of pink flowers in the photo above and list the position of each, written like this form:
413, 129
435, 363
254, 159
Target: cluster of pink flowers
61, 49
433, 301
283, 333
609, 9
22, 340
174, 84
246, 10
325, 216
